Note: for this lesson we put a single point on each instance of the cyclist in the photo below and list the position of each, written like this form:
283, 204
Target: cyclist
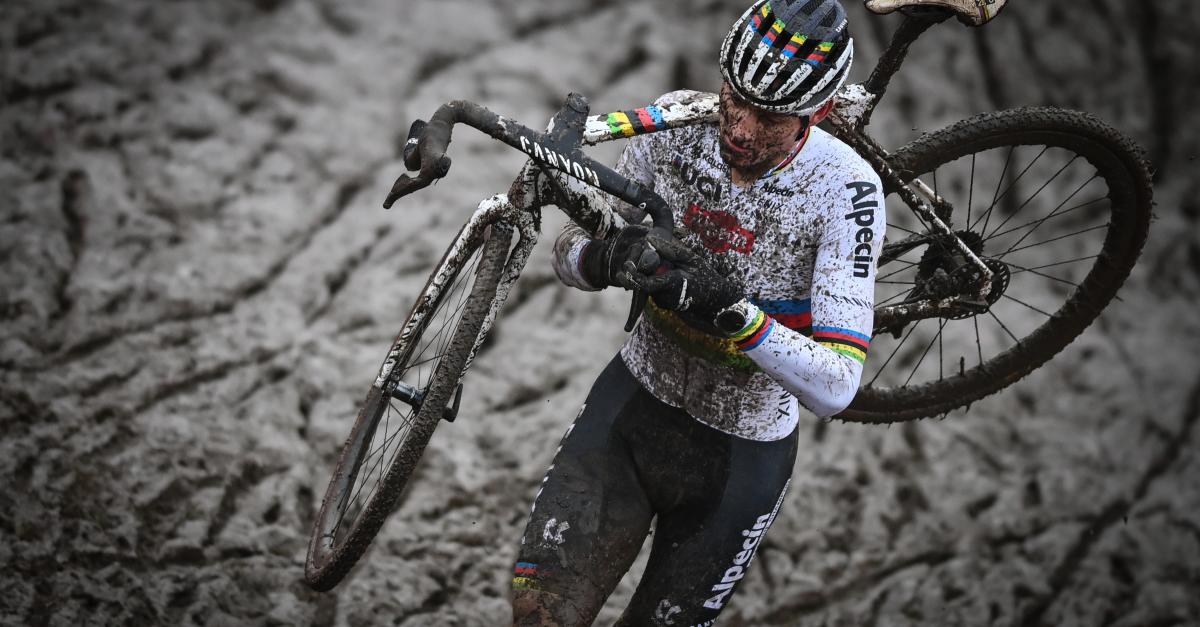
764, 306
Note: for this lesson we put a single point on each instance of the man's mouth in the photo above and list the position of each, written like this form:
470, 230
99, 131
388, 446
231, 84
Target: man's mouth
734, 148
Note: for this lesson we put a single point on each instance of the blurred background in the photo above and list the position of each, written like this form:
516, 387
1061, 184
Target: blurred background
198, 284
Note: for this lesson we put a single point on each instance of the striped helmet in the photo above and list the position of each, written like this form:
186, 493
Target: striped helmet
789, 56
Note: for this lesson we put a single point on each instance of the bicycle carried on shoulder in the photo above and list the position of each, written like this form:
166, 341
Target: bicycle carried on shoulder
1036, 210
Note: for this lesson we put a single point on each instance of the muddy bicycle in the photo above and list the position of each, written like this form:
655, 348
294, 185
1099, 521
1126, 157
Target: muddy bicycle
1020, 227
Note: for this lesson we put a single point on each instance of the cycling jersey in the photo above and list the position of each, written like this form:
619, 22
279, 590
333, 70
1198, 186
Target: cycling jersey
803, 240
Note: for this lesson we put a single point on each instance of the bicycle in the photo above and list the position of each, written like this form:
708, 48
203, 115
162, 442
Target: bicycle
956, 278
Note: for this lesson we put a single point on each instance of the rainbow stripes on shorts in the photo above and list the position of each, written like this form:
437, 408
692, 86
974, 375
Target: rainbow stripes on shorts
525, 576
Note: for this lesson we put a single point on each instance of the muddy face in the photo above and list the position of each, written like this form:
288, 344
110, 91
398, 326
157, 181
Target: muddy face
753, 139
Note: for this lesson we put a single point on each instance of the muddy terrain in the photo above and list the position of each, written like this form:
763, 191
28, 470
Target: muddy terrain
198, 284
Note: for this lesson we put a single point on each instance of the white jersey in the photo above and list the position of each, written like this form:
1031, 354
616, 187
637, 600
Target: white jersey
803, 239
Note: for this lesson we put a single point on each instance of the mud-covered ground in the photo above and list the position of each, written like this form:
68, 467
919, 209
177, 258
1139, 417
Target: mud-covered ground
198, 284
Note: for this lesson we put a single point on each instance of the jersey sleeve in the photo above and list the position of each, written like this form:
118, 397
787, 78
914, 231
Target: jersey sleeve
823, 372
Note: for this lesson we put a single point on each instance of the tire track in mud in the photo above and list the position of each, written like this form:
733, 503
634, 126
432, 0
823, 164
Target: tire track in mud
787, 613
245, 291
1116, 511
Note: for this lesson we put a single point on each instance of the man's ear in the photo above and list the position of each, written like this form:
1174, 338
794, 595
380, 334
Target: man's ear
820, 114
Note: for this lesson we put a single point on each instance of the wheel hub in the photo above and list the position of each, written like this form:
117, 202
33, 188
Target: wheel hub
944, 272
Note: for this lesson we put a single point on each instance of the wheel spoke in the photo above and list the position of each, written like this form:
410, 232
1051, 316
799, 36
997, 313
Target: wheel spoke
892, 298
1035, 195
1051, 265
978, 344
971, 191
1021, 302
922, 358
900, 228
1013, 184
941, 353
1017, 250
893, 355
1003, 326
996, 195
1043, 220
895, 272
1032, 222
1021, 269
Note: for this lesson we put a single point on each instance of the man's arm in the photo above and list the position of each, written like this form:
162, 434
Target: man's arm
824, 372
635, 163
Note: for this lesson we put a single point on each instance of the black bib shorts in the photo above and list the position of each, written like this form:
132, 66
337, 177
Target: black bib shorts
630, 459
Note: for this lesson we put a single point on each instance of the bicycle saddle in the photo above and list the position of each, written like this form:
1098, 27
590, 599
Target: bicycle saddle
972, 12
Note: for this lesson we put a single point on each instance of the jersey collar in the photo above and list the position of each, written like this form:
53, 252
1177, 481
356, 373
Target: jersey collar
788, 159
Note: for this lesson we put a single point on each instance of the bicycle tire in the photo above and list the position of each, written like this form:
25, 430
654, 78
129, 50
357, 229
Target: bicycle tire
330, 555
1122, 166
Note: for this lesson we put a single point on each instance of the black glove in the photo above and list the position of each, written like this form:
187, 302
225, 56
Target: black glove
603, 260
687, 284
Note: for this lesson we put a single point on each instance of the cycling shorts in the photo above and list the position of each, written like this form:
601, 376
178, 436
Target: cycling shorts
630, 460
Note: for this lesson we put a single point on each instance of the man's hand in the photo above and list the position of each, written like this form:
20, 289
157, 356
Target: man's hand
603, 261
687, 284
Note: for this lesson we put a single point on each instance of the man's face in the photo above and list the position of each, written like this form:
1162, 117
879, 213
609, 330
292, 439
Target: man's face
754, 138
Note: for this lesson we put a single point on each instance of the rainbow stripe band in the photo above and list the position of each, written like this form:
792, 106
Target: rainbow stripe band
793, 45
636, 122
755, 333
818, 55
846, 342
524, 576
752, 327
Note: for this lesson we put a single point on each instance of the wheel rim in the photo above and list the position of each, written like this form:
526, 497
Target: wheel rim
1042, 208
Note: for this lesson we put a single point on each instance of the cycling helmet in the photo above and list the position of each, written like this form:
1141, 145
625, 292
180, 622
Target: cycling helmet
789, 56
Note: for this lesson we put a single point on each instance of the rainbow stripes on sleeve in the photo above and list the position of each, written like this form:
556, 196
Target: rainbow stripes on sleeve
843, 341
636, 122
794, 314
754, 333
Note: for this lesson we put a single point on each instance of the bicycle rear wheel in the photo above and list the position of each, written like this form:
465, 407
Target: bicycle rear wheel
1058, 203
407, 401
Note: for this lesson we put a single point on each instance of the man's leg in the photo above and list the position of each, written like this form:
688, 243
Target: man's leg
589, 517
704, 546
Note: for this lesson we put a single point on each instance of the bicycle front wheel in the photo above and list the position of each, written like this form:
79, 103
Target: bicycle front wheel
408, 400
1057, 203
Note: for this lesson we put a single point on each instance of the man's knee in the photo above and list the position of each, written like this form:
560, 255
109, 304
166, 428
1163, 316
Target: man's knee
536, 608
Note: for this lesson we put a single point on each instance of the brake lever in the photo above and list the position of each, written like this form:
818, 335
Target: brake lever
636, 307
650, 261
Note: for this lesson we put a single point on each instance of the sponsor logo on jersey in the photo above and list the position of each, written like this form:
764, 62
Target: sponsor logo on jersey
706, 185
719, 231
863, 216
